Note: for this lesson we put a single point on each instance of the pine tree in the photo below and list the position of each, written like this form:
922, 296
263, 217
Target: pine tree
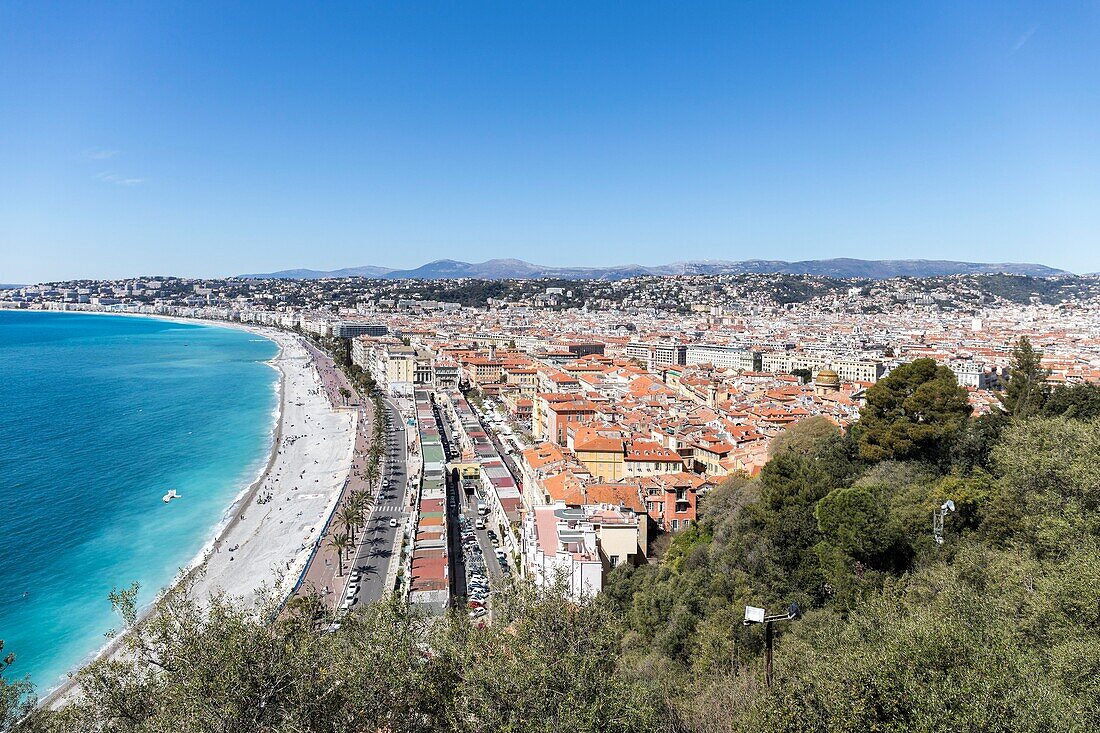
1027, 390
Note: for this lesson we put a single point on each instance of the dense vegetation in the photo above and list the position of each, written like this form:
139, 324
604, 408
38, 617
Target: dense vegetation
996, 629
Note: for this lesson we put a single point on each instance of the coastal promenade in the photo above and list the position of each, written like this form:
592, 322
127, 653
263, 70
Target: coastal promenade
378, 548
271, 531
321, 575
332, 377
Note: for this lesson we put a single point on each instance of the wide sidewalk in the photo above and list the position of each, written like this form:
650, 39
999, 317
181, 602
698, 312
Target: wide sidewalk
321, 575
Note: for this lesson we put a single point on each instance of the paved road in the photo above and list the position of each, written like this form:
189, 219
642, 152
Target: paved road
509, 462
469, 510
467, 507
455, 554
375, 553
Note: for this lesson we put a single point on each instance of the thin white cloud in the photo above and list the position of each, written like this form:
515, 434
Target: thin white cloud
1022, 40
99, 153
108, 177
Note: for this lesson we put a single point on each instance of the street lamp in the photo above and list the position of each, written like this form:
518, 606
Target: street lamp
754, 615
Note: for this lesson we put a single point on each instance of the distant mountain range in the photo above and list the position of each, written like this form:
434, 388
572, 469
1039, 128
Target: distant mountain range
510, 269
365, 271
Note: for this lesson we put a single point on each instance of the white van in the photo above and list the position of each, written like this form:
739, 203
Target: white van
480, 523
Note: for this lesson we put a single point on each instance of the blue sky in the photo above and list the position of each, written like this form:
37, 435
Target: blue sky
213, 139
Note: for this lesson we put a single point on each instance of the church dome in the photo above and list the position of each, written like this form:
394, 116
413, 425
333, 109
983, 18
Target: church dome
827, 378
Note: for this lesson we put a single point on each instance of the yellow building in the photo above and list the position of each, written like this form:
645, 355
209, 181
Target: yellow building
603, 452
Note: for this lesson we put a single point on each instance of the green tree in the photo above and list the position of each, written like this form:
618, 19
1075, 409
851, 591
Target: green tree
855, 519
340, 542
549, 663
372, 472
16, 699
778, 534
1078, 401
915, 412
973, 447
361, 501
805, 436
1027, 389
349, 516
947, 650
1048, 494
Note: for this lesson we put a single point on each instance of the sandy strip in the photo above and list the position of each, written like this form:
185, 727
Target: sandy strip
268, 532
272, 530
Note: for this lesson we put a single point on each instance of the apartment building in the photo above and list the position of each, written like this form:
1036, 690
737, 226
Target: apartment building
553, 413
579, 544
974, 375
646, 458
658, 354
858, 370
849, 369
446, 373
723, 357
672, 499
353, 329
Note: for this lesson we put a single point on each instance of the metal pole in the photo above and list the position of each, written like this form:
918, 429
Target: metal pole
768, 654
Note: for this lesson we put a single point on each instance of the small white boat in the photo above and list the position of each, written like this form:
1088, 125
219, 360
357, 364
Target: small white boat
170, 495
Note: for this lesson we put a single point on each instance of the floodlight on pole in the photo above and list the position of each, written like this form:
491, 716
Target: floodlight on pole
754, 615
937, 519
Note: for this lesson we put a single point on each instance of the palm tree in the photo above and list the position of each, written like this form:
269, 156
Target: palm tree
340, 543
372, 473
360, 500
360, 514
349, 518
345, 393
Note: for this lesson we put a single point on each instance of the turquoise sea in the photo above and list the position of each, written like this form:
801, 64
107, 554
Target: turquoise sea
99, 416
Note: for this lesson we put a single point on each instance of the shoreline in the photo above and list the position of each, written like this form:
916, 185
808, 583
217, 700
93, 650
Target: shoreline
234, 514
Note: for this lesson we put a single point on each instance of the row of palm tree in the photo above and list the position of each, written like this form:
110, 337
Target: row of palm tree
352, 516
352, 513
